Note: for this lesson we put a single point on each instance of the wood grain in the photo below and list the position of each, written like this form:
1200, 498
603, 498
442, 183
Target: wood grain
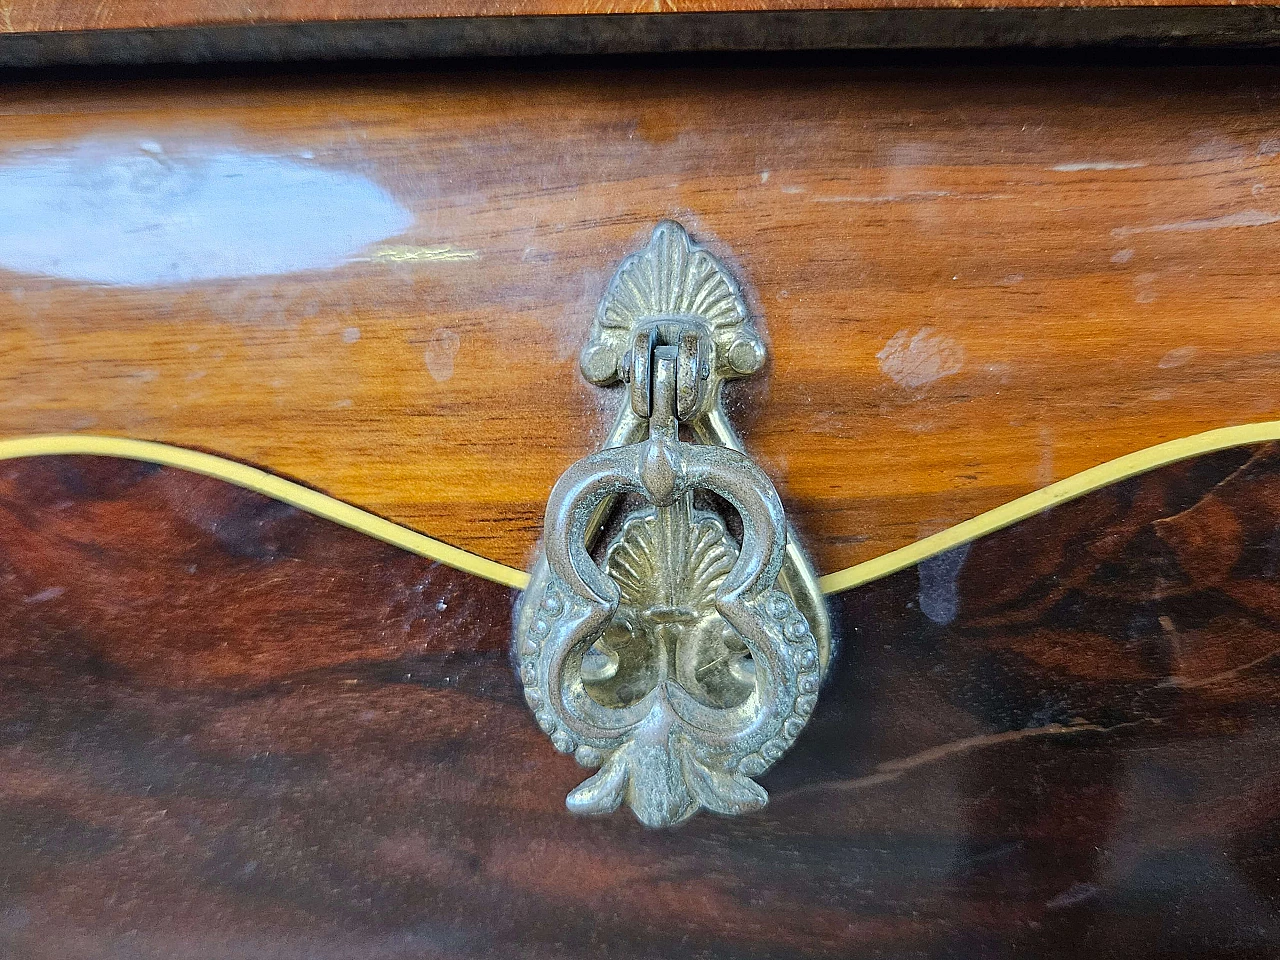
38, 16
228, 729
609, 34
974, 280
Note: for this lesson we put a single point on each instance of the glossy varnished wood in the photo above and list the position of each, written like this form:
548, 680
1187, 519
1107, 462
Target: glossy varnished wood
227, 729
974, 280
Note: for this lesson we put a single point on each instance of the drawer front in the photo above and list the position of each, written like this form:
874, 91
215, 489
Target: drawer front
256, 689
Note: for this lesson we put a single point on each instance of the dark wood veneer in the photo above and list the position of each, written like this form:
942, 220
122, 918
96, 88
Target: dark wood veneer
228, 729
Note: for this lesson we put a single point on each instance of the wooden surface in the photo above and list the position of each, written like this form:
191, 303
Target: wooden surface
41, 16
228, 729
974, 281
882, 29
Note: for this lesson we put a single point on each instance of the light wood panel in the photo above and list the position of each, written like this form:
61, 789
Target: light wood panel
974, 282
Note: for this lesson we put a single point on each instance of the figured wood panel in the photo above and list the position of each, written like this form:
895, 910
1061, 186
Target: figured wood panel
973, 281
230, 729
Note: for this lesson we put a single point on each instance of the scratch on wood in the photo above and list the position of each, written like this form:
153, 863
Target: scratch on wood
1249, 218
886, 198
911, 196
1183, 683
891, 770
1097, 165
405, 254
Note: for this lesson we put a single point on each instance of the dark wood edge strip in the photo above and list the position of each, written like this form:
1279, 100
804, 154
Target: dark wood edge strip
1175, 27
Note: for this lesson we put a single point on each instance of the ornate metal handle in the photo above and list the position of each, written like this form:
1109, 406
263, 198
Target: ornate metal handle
689, 661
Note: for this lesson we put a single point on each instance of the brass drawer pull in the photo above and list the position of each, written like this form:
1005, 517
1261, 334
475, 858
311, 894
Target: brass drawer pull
687, 662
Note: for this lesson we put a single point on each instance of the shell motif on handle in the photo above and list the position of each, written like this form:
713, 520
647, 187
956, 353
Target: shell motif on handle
680, 661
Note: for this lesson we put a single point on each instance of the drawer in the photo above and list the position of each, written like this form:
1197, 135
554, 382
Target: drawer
291, 367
